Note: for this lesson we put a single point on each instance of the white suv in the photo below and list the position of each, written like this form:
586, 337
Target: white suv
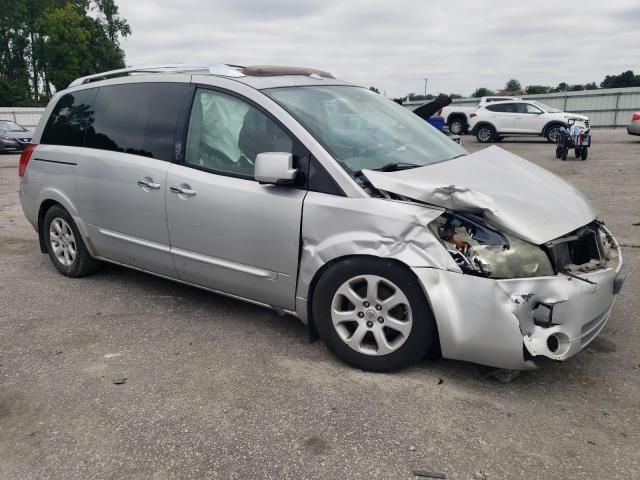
494, 121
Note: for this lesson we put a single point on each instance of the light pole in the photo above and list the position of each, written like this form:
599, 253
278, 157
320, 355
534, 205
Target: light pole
426, 81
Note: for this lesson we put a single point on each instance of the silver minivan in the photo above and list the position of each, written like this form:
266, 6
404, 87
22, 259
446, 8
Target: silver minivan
288, 188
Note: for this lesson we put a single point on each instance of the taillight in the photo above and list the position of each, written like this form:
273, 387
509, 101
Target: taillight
24, 158
636, 117
471, 115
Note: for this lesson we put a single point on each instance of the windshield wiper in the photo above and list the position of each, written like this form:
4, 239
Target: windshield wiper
395, 166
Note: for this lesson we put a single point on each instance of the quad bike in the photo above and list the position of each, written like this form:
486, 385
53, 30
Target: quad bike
576, 137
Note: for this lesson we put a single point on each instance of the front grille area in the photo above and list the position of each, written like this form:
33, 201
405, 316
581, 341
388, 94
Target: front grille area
580, 250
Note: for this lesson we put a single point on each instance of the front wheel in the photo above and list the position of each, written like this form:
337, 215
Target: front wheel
485, 134
584, 154
372, 314
553, 133
65, 245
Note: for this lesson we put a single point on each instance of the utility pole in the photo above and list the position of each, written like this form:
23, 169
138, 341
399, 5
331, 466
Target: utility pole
426, 81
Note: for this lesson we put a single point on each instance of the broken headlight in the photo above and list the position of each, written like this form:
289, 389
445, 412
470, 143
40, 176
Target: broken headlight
481, 250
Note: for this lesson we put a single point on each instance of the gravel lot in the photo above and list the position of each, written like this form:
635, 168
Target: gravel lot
220, 389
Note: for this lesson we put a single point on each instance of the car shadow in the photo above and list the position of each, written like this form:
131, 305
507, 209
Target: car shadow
261, 321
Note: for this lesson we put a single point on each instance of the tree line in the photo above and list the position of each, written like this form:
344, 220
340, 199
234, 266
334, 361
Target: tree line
46, 44
514, 87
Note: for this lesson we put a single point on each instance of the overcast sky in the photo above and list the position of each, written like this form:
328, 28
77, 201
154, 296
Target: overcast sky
394, 44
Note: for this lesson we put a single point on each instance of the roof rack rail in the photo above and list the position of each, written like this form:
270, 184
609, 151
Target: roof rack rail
221, 69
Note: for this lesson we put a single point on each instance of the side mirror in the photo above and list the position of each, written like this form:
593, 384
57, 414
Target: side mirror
275, 168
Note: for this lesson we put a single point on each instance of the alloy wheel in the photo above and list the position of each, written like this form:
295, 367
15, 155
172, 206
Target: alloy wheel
553, 133
63, 242
371, 315
485, 134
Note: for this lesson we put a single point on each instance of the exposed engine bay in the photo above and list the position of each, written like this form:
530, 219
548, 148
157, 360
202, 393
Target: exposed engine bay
481, 250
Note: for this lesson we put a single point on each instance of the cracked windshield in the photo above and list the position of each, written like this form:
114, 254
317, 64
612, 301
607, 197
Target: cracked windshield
363, 130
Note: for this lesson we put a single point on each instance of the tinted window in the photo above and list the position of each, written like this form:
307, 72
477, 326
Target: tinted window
528, 108
137, 118
70, 118
226, 134
502, 107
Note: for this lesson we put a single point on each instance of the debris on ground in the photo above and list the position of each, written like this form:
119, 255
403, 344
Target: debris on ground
440, 381
504, 375
412, 448
119, 380
428, 474
480, 475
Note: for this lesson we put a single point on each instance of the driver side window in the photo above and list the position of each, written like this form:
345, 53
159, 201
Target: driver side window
226, 134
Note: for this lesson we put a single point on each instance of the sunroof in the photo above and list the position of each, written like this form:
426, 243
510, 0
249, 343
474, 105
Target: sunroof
269, 70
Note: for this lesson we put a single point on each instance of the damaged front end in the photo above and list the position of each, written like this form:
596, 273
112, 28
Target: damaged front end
523, 287
553, 298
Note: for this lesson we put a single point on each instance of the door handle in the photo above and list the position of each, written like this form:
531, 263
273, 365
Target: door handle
183, 191
148, 184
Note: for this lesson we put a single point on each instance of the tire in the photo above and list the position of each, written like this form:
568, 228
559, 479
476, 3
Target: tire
376, 345
485, 134
65, 246
457, 126
578, 152
552, 133
584, 154
565, 153
559, 152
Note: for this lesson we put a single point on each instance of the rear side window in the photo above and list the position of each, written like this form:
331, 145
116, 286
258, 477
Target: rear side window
137, 118
70, 118
502, 107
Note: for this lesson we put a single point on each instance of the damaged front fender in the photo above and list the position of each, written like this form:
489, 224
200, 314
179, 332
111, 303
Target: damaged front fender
335, 227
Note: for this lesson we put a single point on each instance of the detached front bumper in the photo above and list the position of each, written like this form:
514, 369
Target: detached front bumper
507, 323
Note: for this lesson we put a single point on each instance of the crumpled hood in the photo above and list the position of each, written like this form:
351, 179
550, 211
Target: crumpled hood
512, 193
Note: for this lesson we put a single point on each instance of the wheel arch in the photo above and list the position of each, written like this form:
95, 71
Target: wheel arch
51, 197
483, 123
457, 115
552, 123
313, 334
42, 211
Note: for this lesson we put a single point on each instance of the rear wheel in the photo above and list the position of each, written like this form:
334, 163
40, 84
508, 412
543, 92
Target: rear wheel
485, 134
372, 314
578, 152
65, 246
559, 150
457, 126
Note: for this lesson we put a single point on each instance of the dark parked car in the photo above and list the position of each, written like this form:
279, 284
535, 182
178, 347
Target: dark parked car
13, 136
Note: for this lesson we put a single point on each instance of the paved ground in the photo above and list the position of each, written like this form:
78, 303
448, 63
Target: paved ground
220, 389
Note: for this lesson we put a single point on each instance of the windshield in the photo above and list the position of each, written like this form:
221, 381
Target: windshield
546, 108
363, 130
11, 127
